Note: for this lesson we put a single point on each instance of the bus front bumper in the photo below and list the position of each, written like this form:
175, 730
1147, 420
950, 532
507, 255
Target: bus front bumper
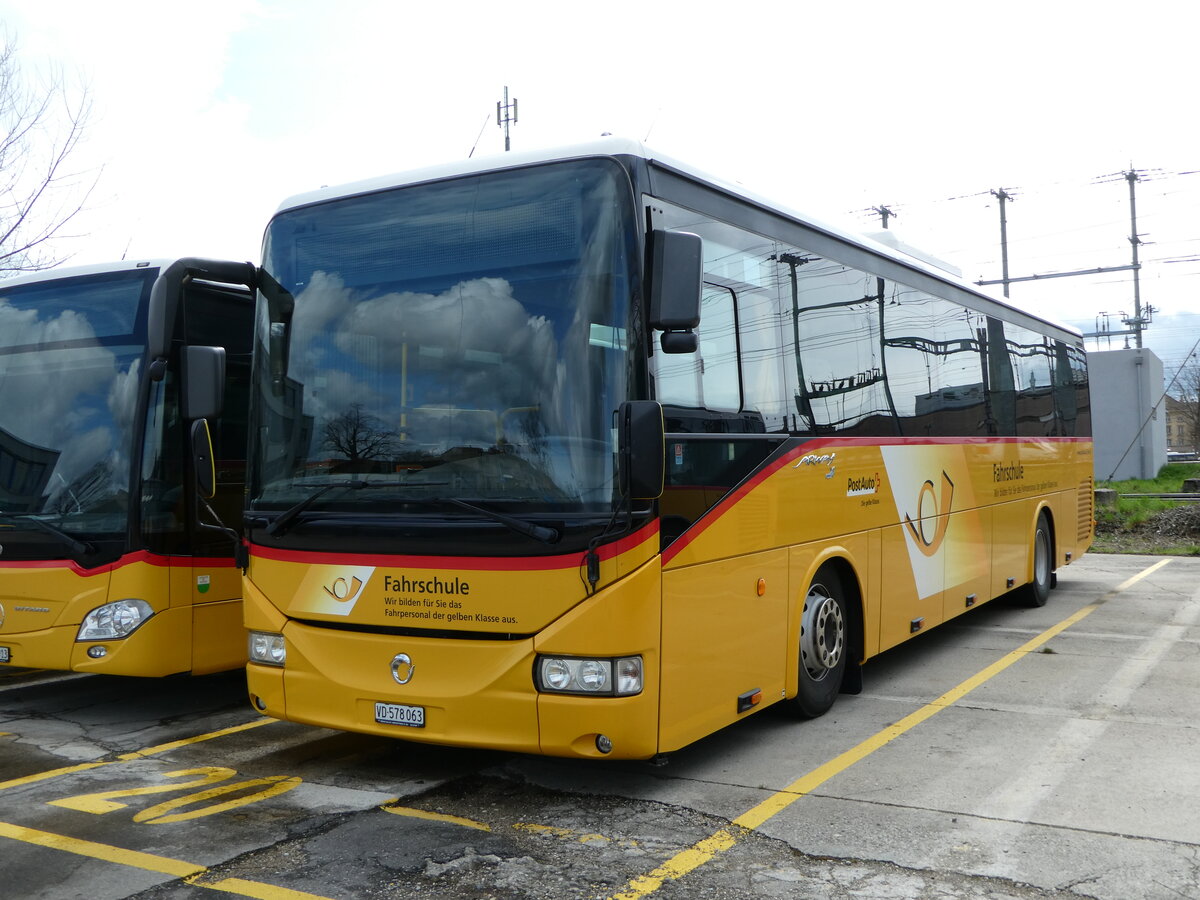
159, 647
465, 693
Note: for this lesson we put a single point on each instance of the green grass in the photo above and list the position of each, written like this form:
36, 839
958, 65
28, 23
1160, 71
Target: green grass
1130, 512
1119, 528
1170, 480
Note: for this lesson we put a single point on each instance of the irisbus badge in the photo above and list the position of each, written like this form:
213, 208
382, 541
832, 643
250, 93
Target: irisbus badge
818, 459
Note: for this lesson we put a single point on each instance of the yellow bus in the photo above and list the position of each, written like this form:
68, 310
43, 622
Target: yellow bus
588, 454
110, 561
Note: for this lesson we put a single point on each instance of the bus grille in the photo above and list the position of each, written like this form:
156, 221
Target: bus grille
1087, 512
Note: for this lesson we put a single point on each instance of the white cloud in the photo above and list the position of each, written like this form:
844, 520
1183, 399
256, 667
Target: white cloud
208, 117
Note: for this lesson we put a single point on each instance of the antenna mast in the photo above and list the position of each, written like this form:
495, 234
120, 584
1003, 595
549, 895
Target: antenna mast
503, 119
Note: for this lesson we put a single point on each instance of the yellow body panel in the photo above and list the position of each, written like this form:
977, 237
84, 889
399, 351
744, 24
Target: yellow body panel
475, 691
920, 532
196, 626
720, 640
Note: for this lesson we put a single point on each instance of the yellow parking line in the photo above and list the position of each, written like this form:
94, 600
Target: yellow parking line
200, 738
135, 858
413, 813
137, 754
255, 889
698, 854
150, 862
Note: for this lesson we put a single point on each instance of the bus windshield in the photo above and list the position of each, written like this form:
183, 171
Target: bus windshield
70, 360
456, 340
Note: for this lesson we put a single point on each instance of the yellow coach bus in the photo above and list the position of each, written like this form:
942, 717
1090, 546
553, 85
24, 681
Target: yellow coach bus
588, 454
109, 560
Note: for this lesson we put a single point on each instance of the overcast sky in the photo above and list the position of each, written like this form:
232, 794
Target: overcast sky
207, 115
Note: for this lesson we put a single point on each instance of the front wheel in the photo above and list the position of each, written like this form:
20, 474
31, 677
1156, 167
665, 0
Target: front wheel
823, 644
1037, 592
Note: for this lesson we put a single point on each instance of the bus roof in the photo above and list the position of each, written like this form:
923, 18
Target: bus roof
620, 146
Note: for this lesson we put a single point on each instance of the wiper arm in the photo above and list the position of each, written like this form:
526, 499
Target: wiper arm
542, 533
76, 546
285, 519
292, 513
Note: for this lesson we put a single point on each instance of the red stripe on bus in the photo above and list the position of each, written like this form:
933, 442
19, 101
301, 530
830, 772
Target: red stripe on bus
816, 445
141, 556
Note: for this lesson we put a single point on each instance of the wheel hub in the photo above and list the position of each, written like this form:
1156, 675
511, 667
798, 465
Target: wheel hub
822, 633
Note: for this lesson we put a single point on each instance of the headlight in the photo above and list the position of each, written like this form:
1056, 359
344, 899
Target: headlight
114, 620
268, 649
621, 677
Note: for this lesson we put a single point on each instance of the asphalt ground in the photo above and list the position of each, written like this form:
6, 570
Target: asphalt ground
1010, 753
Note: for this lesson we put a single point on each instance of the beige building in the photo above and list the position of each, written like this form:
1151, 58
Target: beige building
1181, 426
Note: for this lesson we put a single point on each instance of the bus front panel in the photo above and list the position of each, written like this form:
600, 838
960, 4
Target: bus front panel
467, 687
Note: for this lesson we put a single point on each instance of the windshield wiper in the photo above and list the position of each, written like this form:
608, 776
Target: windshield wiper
543, 533
284, 520
292, 513
76, 546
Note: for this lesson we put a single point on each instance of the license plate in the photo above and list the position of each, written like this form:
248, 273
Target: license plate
4, 655
395, 714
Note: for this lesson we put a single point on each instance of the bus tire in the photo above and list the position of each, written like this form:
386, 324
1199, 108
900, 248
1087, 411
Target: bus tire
1037, 592
824, 633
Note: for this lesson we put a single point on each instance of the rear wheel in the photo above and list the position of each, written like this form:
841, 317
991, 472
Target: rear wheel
823, 644
1037, 592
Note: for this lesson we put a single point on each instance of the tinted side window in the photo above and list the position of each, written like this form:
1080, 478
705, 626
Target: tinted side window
908, 361
1031, 356
735, 376
837, 356
956, 403
1079, 379
1002, 385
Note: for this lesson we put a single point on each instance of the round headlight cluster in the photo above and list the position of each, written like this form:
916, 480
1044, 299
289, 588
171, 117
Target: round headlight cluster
267, 648
590, 675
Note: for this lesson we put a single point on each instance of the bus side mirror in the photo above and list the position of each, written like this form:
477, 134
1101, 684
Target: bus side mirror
641, 442
204, 465
203, 382
676, 272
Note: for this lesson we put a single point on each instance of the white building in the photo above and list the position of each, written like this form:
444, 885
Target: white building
1129, 422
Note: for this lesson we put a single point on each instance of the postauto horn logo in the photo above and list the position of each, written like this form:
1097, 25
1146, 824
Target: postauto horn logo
931, 507
345, 591
331, 590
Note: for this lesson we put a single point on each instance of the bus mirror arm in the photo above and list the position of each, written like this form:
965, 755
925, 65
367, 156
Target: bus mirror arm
202, 459
166, 295
641, 457
205, 470
676, 271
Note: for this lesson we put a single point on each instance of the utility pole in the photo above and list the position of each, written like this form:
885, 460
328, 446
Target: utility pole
885, 213
1137, 322
1003, 196
503, 119
1141, 317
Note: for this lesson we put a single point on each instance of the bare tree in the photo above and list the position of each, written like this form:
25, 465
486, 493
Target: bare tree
42, 124
358, 436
